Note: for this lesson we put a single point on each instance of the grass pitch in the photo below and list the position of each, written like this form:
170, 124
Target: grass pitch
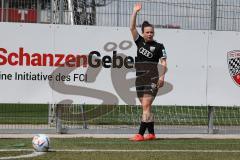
119, 149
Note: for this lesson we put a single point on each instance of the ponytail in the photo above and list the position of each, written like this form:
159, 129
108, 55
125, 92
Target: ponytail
146, 24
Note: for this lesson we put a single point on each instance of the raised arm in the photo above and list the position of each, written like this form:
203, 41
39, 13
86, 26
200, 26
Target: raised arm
136, 9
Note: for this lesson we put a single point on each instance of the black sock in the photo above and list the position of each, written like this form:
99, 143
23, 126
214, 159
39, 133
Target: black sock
150, 126
143, 127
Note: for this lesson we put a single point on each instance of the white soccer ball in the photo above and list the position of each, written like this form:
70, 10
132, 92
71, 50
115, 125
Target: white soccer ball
41, 143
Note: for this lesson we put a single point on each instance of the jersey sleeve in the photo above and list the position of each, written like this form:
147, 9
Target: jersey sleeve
138, 40
164, 53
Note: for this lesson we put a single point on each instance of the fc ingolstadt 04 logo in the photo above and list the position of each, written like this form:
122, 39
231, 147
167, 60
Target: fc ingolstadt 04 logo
233, 58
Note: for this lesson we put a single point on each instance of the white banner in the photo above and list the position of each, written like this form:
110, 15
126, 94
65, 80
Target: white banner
223, 90
53, 64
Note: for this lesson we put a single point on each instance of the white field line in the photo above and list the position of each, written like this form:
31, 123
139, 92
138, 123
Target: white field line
122, 150
31, 155
139, 150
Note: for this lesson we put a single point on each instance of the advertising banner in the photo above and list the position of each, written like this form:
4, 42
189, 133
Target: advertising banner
96, 65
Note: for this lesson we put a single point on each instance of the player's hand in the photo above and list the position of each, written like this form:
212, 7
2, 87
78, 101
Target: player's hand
137, 7
160, 82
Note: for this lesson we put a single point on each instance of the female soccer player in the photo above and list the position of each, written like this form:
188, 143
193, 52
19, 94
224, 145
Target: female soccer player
148, 80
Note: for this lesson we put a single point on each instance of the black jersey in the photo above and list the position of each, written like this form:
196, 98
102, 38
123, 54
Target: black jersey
149, 51
148, 55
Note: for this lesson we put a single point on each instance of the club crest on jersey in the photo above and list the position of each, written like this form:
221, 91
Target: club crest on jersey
152, 49
233, 58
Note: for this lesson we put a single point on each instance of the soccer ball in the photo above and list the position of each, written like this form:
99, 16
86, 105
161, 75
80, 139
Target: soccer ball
41, 143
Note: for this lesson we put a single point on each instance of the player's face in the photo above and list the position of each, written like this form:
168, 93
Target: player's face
148, 34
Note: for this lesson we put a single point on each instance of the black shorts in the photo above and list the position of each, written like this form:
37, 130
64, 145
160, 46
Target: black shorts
146, 85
